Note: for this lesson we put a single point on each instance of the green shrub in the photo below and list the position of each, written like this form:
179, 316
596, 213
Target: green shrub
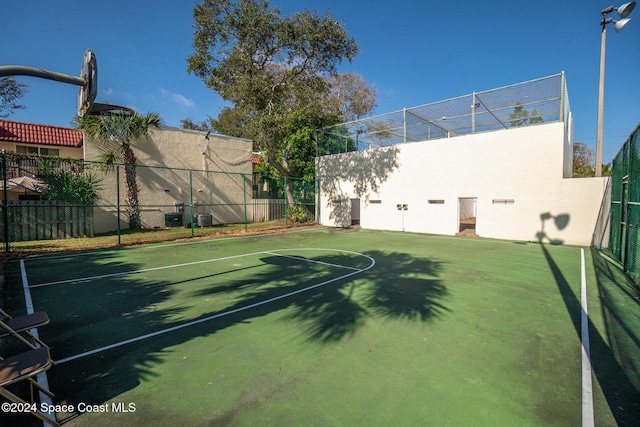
298, 214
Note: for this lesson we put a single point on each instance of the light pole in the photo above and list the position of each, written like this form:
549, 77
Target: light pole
623, 12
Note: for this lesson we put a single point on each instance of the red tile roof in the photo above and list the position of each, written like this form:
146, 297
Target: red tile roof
29, 133
255, 159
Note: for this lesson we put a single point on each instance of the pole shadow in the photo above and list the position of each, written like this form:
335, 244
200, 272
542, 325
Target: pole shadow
620, 393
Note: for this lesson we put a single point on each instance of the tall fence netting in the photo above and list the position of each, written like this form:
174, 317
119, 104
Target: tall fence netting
625, 206
543, 100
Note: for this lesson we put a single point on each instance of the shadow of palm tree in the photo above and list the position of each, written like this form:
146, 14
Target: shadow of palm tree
330, 294
415, 294
399, 285
329, 314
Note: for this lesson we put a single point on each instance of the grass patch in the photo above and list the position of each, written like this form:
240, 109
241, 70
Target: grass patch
137, 237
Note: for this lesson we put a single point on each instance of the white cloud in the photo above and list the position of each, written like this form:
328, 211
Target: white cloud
107, 92
177, 98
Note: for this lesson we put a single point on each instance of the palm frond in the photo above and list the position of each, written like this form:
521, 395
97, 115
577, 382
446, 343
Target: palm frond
141, 124
99, 128
91, 126
106, 161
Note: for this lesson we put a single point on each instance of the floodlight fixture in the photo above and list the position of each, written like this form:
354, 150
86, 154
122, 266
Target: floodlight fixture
621, 23
622, 11
626, 9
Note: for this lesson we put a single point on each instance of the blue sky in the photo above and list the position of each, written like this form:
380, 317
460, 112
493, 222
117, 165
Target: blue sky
413, 52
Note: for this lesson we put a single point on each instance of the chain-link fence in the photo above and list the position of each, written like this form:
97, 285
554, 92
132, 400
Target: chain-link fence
625, 206
537, 101
55, 203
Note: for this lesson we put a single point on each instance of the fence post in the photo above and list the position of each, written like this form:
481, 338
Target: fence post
118, 202
286, 204
5, 207
244, 192
191, 218
317, 199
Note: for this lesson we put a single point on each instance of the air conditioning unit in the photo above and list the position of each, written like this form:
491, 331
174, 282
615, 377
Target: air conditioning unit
173, 220
204, 220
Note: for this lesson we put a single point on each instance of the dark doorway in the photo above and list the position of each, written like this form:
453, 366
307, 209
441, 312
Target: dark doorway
355, 211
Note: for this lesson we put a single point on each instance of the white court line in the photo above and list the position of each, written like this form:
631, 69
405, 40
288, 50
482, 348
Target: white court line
123, 273
41, 378
587, 387
311, 260
225, 313
186, 264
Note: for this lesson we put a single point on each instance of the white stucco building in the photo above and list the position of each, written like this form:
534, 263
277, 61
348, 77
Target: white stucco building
495, 164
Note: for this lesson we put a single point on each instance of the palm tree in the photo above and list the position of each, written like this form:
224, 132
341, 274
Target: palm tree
122, 129
607, 169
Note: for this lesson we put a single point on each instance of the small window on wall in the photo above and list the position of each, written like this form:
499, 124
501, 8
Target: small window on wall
27, 149
23, 149
375, 202
503, 201
50, 152
436, 202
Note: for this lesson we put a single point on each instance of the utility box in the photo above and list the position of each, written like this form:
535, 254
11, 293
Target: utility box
173, 220
204, 220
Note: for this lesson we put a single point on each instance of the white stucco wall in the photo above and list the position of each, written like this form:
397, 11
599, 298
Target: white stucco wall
219, 181
522, 165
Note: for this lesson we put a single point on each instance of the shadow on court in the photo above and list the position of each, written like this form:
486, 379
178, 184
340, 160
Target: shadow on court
85, 316
398, 285
612, 373
91, 315
616, 361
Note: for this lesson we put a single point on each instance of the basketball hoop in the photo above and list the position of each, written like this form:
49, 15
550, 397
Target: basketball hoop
116, 121
88, 91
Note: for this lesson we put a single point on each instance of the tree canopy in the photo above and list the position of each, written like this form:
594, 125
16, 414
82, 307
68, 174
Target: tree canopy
11, 91
279, 74
583, 162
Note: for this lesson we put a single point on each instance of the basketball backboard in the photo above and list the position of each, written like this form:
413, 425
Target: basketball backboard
89, 73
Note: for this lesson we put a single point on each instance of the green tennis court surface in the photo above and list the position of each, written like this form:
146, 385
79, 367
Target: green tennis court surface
331, 327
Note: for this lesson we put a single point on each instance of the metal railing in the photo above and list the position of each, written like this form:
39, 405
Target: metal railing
542, 100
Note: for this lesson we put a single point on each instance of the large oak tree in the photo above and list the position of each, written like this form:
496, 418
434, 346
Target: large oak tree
278, 74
